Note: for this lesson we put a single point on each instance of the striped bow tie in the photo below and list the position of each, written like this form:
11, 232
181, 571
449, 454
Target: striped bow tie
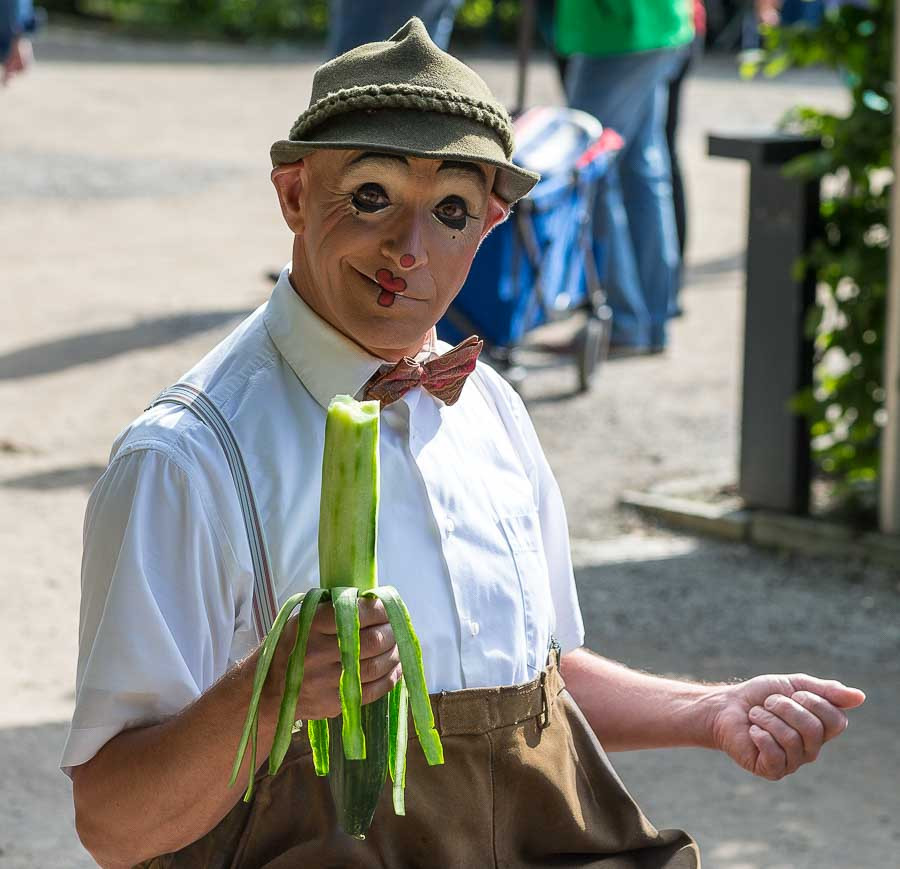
443, 377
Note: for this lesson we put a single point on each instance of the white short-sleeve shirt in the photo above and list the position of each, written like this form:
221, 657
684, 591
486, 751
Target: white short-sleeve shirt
472, 530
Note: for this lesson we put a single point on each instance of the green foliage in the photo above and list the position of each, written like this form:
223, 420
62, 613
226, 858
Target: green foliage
845, 408
234, 19
265, 19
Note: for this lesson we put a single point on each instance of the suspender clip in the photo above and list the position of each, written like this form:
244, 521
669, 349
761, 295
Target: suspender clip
544, 717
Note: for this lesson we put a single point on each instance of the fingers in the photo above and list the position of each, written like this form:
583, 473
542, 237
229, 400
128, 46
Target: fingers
371, 612
379, 659
798, 733
772, 761
834, 692
319, 695
378, 666
798, 726
376, 636
379, 687
376, 640
834, 721
810, 728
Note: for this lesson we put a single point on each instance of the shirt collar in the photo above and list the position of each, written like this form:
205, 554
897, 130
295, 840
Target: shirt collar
326, 362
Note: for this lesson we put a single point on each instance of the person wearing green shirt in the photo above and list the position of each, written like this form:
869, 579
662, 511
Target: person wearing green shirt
622, 54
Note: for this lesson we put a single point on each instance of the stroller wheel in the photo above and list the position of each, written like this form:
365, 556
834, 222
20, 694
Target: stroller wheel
591, 345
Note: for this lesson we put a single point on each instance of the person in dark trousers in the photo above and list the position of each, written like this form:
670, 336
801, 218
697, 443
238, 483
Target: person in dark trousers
622, 56
353, 22
673, 115
16, 22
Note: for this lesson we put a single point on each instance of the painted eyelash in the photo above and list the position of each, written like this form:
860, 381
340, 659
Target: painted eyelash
467, 216
359, 206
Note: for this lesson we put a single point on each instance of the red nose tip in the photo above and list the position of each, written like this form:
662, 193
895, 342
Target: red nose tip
407, 260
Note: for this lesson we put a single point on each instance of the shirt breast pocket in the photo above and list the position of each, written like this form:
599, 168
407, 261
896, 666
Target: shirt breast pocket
523, 535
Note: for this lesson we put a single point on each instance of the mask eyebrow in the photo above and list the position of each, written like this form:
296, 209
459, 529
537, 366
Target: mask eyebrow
378, 156
466, 167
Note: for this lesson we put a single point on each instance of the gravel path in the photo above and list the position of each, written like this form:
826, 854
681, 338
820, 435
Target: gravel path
138, 225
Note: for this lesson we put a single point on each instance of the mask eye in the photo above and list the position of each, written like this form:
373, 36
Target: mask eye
452, 212
370, 198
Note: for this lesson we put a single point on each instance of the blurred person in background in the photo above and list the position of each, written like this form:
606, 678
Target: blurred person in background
672, 117
16, 20
353, 22
776, 12
623, 54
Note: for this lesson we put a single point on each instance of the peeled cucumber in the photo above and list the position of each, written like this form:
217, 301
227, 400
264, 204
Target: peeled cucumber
357, 748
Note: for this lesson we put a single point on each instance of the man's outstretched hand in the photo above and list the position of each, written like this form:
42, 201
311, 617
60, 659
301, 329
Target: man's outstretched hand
772, 725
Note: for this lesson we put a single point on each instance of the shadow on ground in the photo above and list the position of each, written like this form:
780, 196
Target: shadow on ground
713, 268
33, 787
71, 176
79, 476
680, 606
722, 612
715, 610
88, 347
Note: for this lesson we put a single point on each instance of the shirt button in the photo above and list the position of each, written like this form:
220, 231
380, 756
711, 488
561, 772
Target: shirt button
474, 628
450, 527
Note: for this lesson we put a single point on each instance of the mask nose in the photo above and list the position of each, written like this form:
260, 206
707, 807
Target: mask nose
405, 247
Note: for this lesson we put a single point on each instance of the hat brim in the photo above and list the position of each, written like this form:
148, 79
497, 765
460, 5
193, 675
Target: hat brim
431, 135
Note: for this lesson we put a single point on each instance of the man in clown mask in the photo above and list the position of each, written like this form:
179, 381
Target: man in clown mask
390, 180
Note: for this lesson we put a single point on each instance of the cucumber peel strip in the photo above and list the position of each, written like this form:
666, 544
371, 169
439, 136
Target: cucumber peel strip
413, 671
293, 679
317, 731
262, 670
399, 706
346, 617
411, 690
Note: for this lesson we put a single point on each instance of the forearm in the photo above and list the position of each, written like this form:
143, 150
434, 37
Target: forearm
631, 710
155, 789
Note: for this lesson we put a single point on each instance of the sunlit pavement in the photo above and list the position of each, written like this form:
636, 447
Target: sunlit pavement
138, 225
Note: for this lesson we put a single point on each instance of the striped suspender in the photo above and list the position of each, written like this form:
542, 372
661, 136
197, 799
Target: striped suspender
188, 396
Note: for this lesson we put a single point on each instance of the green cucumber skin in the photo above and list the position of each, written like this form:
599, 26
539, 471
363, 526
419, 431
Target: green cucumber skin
348, 520
356, 785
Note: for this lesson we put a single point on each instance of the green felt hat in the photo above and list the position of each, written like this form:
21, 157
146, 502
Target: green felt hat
406, 96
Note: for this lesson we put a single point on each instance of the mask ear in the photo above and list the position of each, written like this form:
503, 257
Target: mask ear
289, 181
497, 212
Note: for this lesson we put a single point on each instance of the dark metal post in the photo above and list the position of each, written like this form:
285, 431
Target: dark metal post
783, 217
527, 16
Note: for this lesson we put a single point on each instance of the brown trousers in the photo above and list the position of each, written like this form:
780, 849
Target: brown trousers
525, 783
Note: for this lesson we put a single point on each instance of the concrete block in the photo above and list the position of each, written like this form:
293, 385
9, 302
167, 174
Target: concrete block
725, 520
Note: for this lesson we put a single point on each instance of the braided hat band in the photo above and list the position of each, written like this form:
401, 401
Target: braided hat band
406, 96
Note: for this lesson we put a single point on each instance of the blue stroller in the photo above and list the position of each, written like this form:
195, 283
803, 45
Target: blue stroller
542, 264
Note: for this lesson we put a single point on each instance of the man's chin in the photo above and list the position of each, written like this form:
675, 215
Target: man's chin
391, 343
